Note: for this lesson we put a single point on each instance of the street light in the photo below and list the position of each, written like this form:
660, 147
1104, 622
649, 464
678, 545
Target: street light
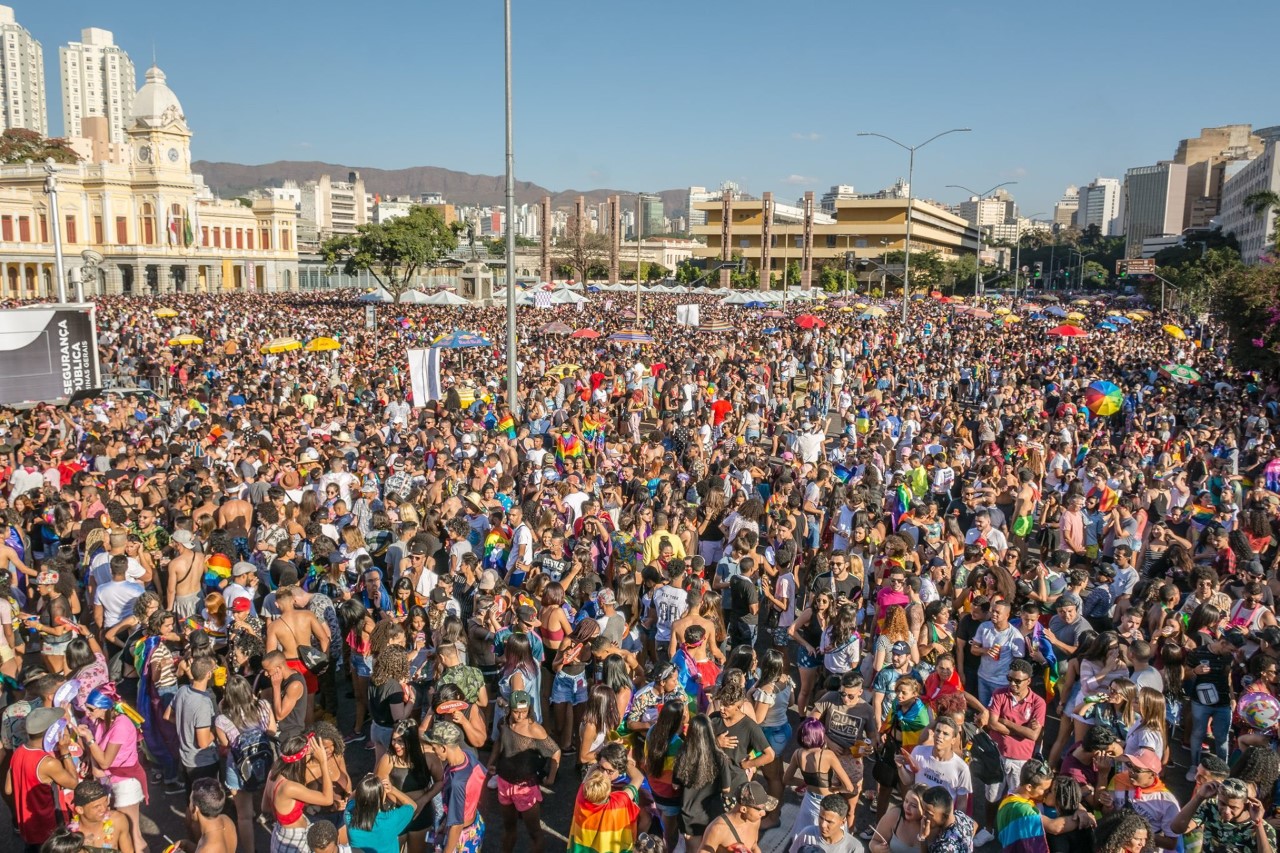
512, 381
1080, 278
911, 188
1017, 262
977, 261
51, 187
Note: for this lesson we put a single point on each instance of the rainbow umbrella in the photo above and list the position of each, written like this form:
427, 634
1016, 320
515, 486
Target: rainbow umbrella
631, 336
1103, 398
717, 326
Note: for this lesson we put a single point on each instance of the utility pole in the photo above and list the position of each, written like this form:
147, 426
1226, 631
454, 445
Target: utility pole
51, 187
512, 379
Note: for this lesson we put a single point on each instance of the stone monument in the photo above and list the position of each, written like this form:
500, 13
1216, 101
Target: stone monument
476, 283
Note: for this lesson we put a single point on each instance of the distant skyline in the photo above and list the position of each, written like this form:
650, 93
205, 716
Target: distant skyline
672, 94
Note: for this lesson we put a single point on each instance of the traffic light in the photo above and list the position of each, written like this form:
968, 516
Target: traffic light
1067, 274
1039, 269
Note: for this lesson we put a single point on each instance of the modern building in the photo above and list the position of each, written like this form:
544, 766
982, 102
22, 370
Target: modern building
827, 204
698, 195
1154, 202
22, 93
1099, 204
652, 219
98, 81
1064, 212
998, 209
1206, 158
1253, 230
332, 207
155, 225
863, 227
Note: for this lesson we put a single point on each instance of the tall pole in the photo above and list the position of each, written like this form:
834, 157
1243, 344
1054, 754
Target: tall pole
638, 206
512, 380
911, 188
51, 187
980, 197
1017, 262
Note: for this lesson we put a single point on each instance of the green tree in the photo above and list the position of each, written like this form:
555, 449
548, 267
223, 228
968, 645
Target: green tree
1247, 301
1095, 274
393, 252
17, 145
687, 272
1198, 281
793, 276
928, 269
831, 277
1261, 202
654, 271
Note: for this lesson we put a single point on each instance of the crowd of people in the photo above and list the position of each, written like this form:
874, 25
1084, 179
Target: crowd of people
916, 580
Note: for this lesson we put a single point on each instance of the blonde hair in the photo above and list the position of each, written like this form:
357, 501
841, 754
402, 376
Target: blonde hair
596, 785
1151, 708
1129, 711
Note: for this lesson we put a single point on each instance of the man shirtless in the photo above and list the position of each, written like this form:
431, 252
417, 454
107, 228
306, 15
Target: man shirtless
297, 627
214, 832
103, 828
739, 830
684, 623
235, 516
185, 576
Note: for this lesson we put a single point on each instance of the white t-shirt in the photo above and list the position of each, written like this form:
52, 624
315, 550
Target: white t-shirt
101, 569
785, 588
234, 591
952, 774
671, 605
116, 597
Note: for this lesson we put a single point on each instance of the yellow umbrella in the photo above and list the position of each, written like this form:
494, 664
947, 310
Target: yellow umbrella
1175, 332
1143, 311
186, 341
1075, 315
819, 308
957, 299
1002, 311
562, 371
281, 345
165, 313
875, 311
860, 306
1080, 302
1114, 313
322, 345
1010, 319
847, 309
1135, 316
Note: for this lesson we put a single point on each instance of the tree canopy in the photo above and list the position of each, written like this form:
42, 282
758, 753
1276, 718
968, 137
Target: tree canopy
17, 145
393, 252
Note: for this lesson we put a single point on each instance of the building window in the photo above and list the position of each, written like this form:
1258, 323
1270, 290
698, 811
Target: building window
226, 237
217, 238
239, 238
44, 228
285, 240
248, 235
99, 231
24, 229
148, 224
266, 239
831, 241
71, 229
122, 230
204, 235
6, 228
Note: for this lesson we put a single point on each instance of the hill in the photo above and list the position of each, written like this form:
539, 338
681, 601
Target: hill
233, 179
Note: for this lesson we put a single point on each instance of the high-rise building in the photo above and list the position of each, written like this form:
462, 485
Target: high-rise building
332, 207
827, 204
1206, 157
98, 81
990, 214
1064, 212
1261, 174
652, 220
1154, 203
22, 96
1099, 204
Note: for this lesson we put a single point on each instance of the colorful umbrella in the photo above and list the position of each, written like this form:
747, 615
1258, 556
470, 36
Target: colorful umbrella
1121, 320
460, 340
860, 305
981, 314
1066, 331
556, 328
1135, 317
631, 336
1002, 311
809, 321
277, 345
1174, 332
1181, 373
873, 311
1079, 301
322, 345
1104, 399
1056, 311
590, 334
186, 341
165, 313
1010, 319
717, 326
1107, 327
775, 314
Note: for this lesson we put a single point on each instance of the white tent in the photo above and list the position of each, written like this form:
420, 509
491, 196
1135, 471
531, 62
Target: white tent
445, 297
379, 295
741, 297
566, 297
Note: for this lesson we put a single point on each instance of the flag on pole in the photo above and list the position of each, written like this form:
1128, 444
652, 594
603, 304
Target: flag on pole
542, 299
172, 227
194, 216
424, 375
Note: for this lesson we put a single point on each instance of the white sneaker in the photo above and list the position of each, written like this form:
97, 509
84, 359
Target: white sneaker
982, 839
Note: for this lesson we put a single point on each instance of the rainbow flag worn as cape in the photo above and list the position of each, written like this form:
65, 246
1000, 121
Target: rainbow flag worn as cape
1107, 497
1018, 826
497, 547
912, 722
568, 446
1050, 660
1200, 513
608, 827
901, 504
507, 425
593, 431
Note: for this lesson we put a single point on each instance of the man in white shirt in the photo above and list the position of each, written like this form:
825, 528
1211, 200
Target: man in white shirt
244, 579
809, 443
983, 530
115, 598
520, 558
669, 604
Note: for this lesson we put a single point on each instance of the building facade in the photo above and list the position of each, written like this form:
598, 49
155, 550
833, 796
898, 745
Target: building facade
332, 207
1261, 174
1154, 203
652, 217
154, 225
22, 91
1206, 158
98, 81
1099, 204
1064, 212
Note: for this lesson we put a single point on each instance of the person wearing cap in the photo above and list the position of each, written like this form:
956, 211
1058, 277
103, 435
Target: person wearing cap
244, 584
463, 784
1138, 787
901, 663
741, 825
520, 750
185, 575
33, 774
604, 819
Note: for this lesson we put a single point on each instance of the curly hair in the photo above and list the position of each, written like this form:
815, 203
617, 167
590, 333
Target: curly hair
1258, 766
391, 665
1115, 831
383, 633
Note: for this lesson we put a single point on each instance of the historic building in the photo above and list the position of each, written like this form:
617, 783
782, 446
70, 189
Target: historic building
156, 227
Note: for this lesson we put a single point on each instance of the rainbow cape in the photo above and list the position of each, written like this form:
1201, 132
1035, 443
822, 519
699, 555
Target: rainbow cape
497, 546
507, 425
593, 431
1050, 660
609, 827
901, 504
912, 722
1107, 497
568, 446
1018, 826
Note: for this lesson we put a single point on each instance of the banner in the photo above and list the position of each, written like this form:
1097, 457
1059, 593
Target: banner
424, 375
250, 276
47, 354
688, 315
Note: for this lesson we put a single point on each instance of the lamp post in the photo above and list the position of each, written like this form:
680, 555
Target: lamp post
1017, 262
977, 261
512, 379
911, 188
51, 188
1080, 277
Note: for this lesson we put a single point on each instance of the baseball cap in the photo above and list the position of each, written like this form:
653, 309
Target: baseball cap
488, 580
443, 733
185, 538
243, 568
40, 720
605, 596
901, 648
240, 605
1067, 599
1145, 759
526, 613
439, 596
521, 699
754, 795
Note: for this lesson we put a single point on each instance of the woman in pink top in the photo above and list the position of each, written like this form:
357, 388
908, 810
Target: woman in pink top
892, 594
111, 743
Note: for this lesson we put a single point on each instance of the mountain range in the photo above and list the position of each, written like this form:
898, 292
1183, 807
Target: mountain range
229, 180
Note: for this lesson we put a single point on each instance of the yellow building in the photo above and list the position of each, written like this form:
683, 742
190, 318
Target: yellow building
867, 228
156, 225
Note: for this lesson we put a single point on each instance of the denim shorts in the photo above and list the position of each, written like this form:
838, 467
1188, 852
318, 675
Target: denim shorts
778, 736
569, 688
362, 665
804, 660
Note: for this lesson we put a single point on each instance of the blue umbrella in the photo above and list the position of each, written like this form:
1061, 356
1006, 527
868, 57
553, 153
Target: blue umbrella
1037, 316
1107, 327
772, 330
754, 305
1123, 321
460, 340
1055, 311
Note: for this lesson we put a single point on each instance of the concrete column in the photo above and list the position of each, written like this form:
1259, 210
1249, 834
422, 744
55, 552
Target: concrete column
193, 278
114, 283
140, 285
4, 280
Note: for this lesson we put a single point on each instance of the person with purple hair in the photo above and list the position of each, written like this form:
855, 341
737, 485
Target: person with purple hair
820, 770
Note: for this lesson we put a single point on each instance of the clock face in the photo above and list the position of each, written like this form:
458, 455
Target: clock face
173, 155
144, 154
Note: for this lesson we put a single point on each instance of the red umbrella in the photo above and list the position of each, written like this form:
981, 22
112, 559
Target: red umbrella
585, 333
810, 321
1065, 331
937, 294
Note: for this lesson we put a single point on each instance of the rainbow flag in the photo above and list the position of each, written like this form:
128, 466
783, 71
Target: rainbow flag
593, 431
1050, 660
608, 827
912, 722
1107, 497
507, 425
497, 547
568, 446
1201, 514
901, 504
1018, 826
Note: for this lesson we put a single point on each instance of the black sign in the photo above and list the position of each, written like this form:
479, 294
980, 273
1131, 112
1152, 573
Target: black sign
47, 353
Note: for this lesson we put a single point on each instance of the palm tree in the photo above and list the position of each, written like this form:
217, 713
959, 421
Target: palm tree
1261, 202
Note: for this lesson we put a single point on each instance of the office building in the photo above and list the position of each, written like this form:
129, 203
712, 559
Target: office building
98, 81
985, 213
827, 204
157, 226
1064, 212
1206, 158
332, 207
1154, 200
1099, 204
652, 220
1254, 231
22, 95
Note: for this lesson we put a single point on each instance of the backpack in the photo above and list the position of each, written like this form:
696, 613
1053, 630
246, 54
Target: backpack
985, 762
252, 754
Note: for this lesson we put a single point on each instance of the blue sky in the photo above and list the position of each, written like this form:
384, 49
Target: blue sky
667, 94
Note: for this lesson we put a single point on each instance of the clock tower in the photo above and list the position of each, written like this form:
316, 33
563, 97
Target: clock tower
159, 139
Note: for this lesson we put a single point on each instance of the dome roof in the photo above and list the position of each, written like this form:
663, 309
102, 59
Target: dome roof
155, 102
